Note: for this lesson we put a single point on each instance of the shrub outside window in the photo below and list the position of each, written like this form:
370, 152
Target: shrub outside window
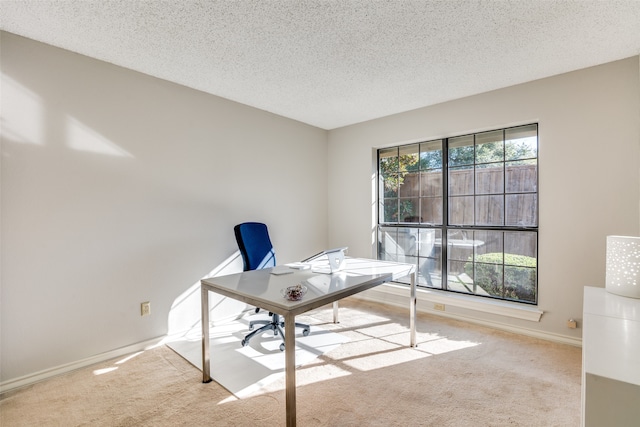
464, 210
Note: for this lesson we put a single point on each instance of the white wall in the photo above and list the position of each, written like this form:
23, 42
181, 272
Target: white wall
589, 135
119, 188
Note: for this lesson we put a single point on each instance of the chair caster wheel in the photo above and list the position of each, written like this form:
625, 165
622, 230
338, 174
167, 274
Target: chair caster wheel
282, 347
305, 332
245, 343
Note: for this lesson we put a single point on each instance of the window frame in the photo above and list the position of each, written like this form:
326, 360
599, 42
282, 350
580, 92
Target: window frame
445, 227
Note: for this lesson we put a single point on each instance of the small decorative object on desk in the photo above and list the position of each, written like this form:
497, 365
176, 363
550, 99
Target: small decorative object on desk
623, 266
294, 293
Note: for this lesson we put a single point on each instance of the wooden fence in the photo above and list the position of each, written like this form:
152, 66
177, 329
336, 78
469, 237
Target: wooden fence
508, 198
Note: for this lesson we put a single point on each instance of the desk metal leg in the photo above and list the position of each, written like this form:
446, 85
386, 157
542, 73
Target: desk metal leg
335, 312
204, 307
290, 368
412, 310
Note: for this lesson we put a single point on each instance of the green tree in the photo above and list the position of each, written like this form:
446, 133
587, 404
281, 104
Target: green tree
393, 170
520, 151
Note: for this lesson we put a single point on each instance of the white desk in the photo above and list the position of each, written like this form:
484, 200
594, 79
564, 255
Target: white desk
610, 359
262, 289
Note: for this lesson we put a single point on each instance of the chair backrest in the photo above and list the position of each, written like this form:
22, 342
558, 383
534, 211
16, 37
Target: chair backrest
255, 246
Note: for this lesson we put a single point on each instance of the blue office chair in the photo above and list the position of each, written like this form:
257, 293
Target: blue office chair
257, 253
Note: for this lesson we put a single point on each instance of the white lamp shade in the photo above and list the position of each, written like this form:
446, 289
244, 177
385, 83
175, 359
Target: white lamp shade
623, 266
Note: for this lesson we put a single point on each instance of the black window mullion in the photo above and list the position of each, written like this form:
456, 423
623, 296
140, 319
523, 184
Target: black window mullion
475, 182
445, 215
504, 180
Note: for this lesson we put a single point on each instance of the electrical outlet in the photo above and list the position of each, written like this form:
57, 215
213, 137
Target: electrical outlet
145, 308
439, 307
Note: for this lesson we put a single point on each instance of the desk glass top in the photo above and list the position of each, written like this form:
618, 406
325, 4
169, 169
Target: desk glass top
262, 288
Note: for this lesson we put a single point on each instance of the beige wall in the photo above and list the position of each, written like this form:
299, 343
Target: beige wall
119, 188
589, 135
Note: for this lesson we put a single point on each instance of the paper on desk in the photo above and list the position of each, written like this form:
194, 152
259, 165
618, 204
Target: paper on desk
281, 269
299, 265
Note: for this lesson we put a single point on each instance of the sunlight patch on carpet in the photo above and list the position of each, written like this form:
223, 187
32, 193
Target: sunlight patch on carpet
385, 347
104, 371
385, 358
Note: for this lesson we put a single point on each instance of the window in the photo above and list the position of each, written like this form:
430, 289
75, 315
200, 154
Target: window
465, 211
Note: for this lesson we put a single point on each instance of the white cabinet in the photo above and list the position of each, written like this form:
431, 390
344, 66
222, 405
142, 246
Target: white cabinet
610, 360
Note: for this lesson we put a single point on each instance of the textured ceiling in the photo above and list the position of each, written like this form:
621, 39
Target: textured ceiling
333, 63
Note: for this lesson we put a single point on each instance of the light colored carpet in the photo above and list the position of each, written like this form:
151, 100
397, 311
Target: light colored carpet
244, 370
460, 375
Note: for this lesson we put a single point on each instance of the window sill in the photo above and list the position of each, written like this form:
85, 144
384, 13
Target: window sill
391, 292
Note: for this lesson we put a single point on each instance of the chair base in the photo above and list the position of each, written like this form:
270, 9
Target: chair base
275, 325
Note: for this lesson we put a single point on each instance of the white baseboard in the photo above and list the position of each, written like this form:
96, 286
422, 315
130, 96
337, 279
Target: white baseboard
25, 380
398, 295
35, 377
